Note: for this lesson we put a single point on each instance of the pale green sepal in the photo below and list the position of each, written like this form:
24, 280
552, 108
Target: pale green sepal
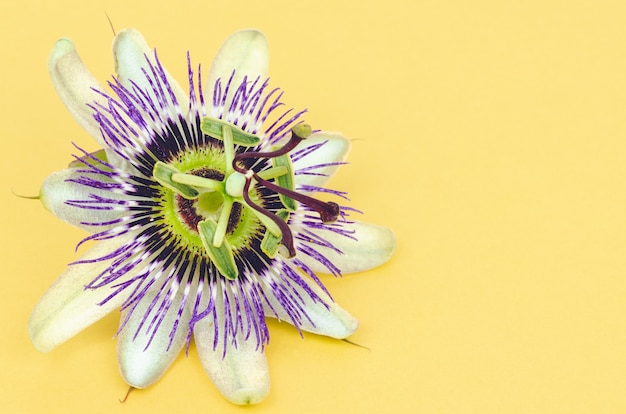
67, 307
222, 256
58, 188
215, 128
270, 243
373, 246
163, 173
241, 374
246, 52
332, 321
130, 51
334, 149
285, 180
142, 365
76, 86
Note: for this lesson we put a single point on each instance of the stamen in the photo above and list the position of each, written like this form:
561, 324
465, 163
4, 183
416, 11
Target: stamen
286, 180
270, 243
222, 256
229, 147
265, 217
287, 237
197, 181
222, 222
273, 172
162, 173
215, 129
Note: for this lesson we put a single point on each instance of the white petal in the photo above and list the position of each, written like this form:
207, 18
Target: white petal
130, 51
242, 376
75, 85
67, 307
373, 246
332, 321
56, 190
334, 149
141, 366
247, 53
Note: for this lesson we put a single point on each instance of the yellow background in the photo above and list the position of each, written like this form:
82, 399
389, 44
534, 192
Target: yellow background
490, 135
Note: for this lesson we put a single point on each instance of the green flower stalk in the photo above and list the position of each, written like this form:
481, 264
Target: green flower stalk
203, 209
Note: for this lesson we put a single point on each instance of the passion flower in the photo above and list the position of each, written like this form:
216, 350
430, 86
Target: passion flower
204, 210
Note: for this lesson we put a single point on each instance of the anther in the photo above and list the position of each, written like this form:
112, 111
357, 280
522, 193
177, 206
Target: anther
270, 243
163, 173
285, 180
286, 236
222, 256
215, 129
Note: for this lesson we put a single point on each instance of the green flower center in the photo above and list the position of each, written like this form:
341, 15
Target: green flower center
210, 203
